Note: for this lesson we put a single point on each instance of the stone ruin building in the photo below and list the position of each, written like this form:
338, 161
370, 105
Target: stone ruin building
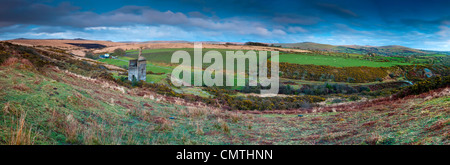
137, 68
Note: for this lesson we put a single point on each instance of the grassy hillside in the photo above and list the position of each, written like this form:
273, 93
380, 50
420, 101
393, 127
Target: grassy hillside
391, 50
307, 46
333, 61
164, 56
63, 108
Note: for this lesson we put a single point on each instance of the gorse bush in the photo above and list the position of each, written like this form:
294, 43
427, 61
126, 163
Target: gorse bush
424, 86
324, 89
228, 101
361, 74
328, 73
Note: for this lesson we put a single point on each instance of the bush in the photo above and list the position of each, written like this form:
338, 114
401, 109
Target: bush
256, 44
351, 80
424, 86
325, 73
337, 101
361, 74
119, 52
91, 55
354, 98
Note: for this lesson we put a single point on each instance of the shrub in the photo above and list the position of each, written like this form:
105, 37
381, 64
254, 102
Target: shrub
354, 98
119, 52
360, 74
337, 101
351, 80
256, 44
424, 86
91, 55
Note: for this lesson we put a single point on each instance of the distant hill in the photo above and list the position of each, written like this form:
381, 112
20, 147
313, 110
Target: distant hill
308, 46
391, 50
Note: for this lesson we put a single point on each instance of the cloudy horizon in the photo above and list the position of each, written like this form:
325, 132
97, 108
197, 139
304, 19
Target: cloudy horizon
412, 23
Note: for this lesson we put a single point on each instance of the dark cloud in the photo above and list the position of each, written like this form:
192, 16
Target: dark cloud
337, 10
25, 12
422, 22
297, 19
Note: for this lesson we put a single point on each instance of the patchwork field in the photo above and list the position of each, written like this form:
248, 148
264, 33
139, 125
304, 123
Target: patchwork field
333, 61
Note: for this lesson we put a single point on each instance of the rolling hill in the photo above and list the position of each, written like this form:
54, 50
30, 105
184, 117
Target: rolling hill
390, 50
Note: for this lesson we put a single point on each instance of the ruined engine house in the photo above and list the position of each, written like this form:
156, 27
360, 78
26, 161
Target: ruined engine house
137, 68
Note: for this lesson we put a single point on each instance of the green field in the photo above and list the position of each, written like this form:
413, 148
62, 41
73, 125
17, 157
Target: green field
159, 60
164, 56
123, 61
333, 61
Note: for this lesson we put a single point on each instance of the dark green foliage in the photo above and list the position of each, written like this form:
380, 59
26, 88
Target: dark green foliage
354, 98
351, 80
119, 52
391, 75
424, 86
337, 101
359, 74
3, 55
256, 44
91, 55
263, 103
134, 81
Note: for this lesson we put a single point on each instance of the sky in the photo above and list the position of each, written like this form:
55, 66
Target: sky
421, 24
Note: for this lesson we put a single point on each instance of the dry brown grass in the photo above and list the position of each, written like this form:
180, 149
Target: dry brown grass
6, 108
10, 61
111, 46
21, 87
196, 111
12, 108
199, 130
190, 45
235, 117
26, 62
163, 124
438, 125
62, 43
222, 124
373, 139
71, 129
21, 135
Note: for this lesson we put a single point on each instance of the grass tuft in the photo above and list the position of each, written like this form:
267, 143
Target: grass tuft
20, 135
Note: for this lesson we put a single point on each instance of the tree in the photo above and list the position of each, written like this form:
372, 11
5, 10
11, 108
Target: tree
119, 52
